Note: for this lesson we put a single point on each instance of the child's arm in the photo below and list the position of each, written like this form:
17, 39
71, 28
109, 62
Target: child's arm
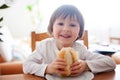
34, 65
99, 63
96, 62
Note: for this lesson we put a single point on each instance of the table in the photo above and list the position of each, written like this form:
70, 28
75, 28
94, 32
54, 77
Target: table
113, 75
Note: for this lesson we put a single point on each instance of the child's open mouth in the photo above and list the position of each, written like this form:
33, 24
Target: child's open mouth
65, 36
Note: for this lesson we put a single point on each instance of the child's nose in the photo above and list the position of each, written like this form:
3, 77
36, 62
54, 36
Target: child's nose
66, 28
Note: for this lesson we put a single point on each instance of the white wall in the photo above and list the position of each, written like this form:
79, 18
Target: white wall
17, 19
101, 17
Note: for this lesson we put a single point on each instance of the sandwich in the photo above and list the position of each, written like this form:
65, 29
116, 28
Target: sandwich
70, 56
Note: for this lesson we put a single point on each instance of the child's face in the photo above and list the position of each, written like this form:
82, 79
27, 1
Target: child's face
65, 31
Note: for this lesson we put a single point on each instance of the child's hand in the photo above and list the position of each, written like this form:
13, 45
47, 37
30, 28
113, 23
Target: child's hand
78, 67
56, 67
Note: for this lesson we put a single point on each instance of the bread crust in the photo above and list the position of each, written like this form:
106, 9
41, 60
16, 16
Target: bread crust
70, 56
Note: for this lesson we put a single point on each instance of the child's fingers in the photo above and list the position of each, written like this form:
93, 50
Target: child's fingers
60, 71
75, 63
60, 62
75, 66
60, 66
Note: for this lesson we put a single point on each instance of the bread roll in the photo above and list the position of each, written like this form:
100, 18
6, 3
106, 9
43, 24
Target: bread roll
70, 57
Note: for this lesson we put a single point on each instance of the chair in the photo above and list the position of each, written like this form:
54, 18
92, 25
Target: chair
1, 59
115, 39
85, 38
11, 68
40, 36
37, 37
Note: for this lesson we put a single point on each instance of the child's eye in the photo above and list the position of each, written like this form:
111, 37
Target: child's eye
72, 25
61, 24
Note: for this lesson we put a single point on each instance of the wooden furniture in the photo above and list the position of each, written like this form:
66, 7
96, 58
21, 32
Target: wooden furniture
37, 37
114, 39
113, 75
1, 59
40, 36
11, 68
21, 77
85, 38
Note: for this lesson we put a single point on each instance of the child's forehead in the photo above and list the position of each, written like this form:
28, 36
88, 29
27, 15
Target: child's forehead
70, 18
